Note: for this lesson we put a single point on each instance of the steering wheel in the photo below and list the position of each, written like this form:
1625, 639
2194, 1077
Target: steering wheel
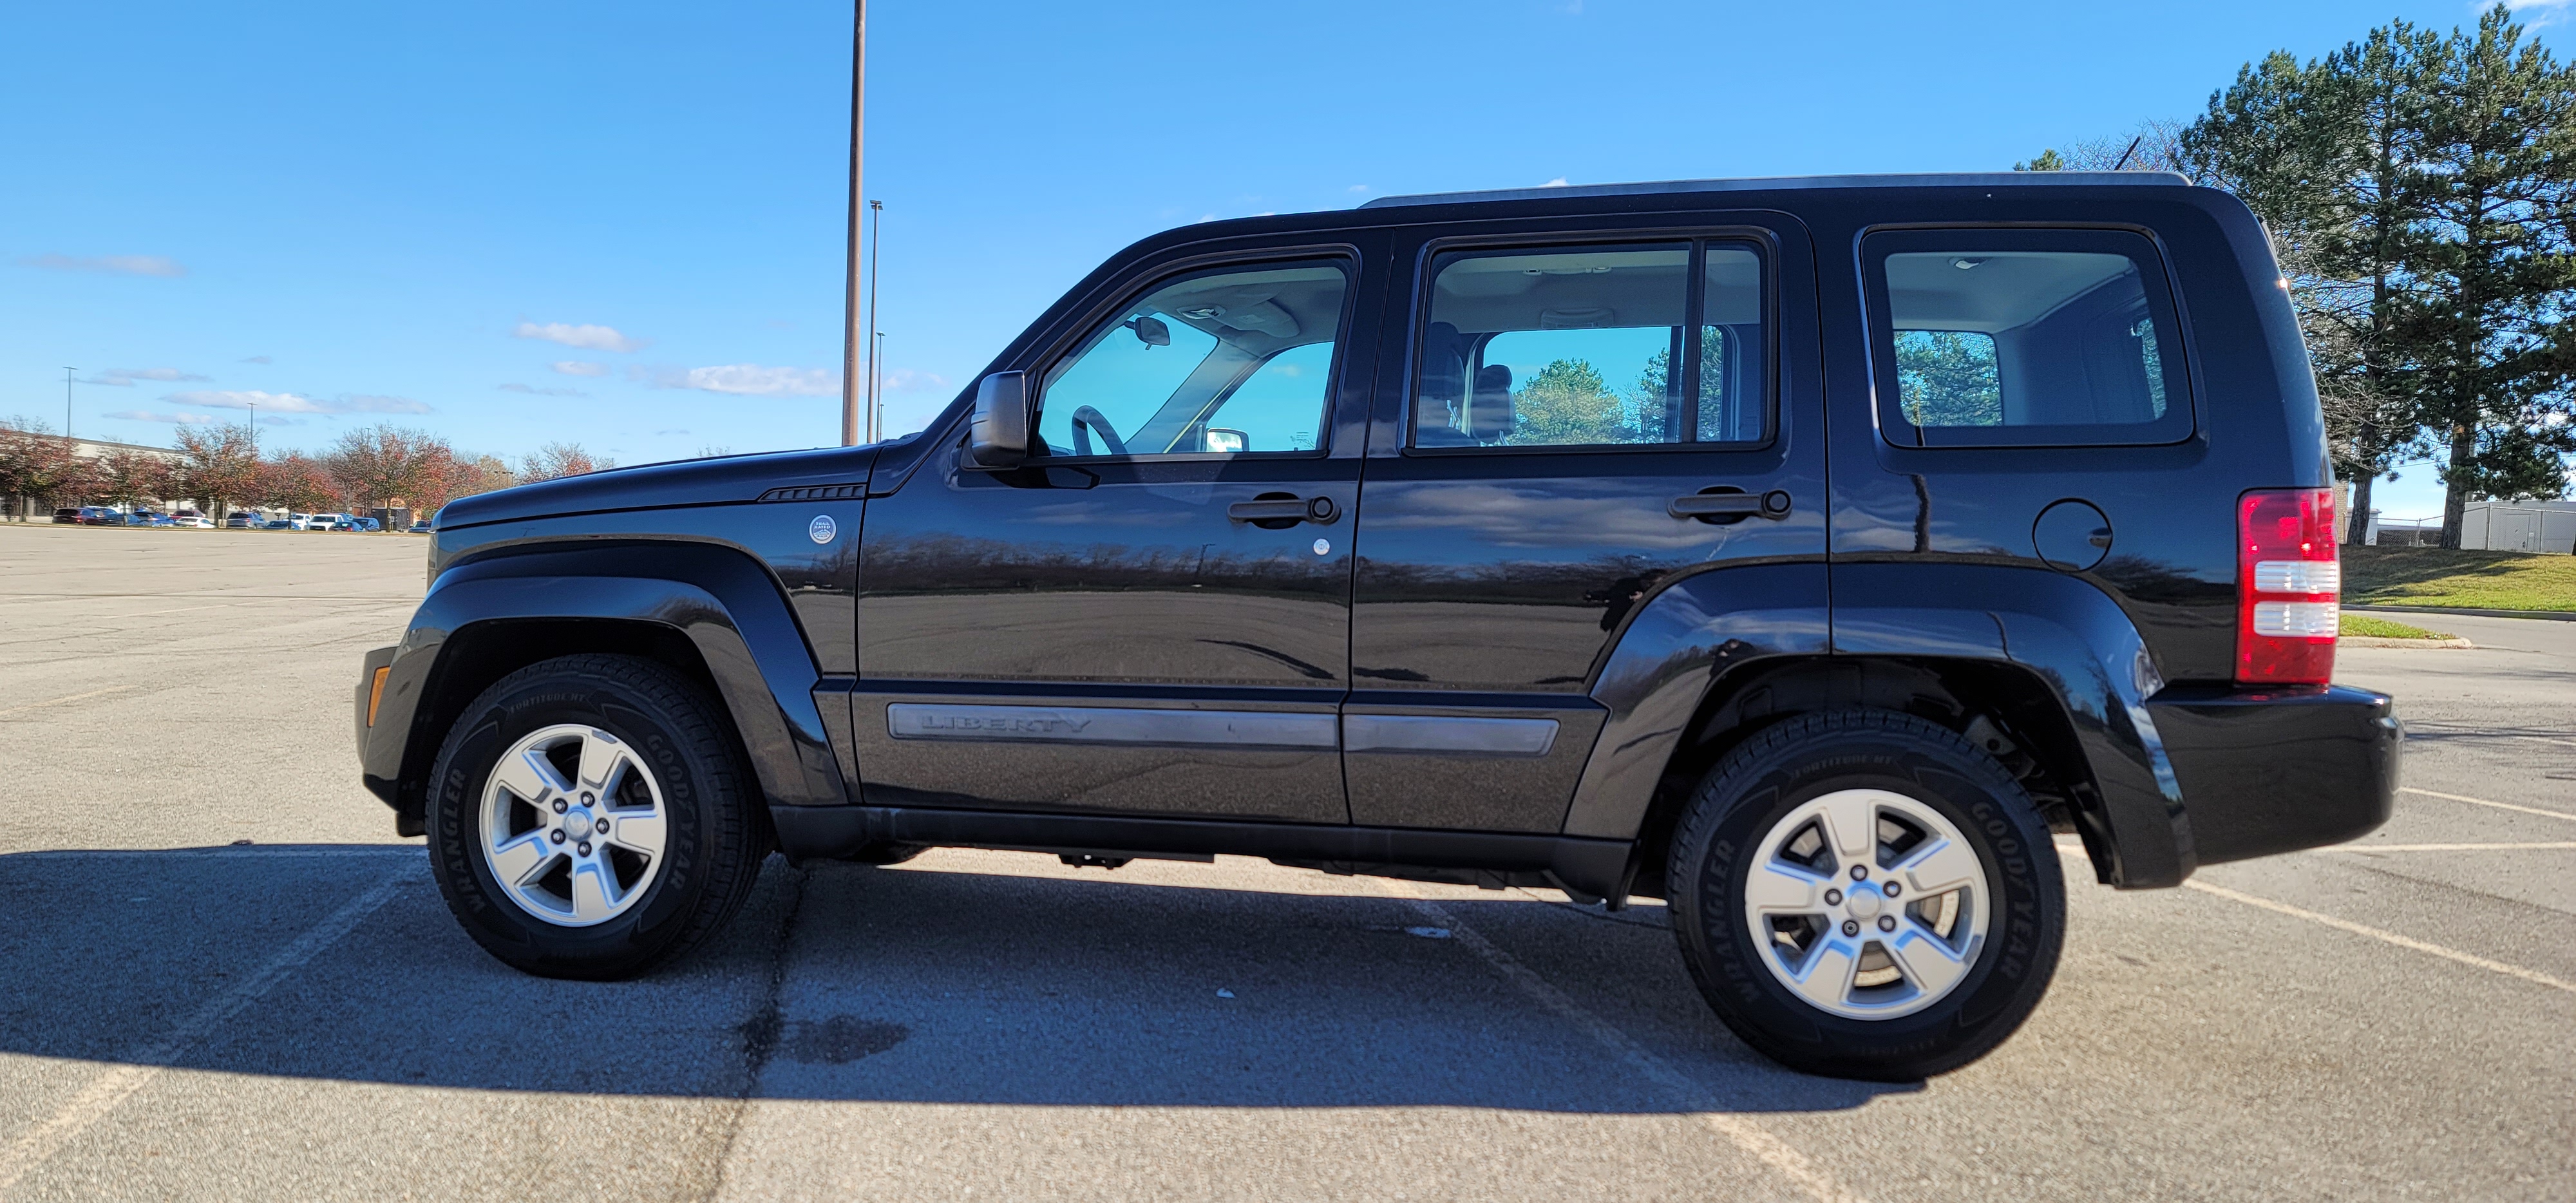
1087, 420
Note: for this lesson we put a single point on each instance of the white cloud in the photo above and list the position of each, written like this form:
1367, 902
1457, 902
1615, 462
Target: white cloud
745, 380
184, 419
1357, 188
297, 403
904, 380
2538, 13
368, 403
1558, 182
588, 338
577, 367
118, 265
540, 392
125, 377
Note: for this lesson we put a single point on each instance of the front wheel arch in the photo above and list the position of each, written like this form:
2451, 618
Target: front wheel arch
475, 656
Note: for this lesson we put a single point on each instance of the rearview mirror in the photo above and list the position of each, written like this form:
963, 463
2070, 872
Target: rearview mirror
1149, 330
999, 434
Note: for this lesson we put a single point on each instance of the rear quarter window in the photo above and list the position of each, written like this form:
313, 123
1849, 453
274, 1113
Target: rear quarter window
2005, 338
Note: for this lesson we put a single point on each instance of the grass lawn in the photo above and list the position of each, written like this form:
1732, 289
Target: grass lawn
2477, 580
2375, 627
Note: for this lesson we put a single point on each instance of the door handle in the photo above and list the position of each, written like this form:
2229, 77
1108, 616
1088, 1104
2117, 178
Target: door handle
1285, 509
1725, 507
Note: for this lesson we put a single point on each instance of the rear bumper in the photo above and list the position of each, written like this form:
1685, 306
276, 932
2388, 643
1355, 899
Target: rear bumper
2270, 771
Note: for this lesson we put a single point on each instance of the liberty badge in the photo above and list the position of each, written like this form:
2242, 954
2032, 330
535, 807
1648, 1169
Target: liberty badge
822, 529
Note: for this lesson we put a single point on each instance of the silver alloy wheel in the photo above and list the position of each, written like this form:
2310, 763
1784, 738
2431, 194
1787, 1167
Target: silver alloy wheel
1867, 904
573, 825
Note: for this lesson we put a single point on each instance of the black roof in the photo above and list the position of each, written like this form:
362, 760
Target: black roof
1963, 179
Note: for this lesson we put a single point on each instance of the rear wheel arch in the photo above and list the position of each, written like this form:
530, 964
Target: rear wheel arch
2004, 708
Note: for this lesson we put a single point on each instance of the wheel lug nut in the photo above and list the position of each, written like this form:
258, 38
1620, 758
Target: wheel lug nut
1851, 928
1889, 889
1887, 923
559, 806
602, 827
557, 837
585, 847
1833, 898
1860, 873
587, 799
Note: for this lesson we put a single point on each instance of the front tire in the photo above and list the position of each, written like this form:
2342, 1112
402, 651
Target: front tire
1867, 895
590, 817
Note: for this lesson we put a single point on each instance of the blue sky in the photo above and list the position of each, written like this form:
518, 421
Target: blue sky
621, 224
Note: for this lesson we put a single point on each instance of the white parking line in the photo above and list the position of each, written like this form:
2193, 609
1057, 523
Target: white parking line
103, 1093
2448, 954
2451, 847
2529, 810
224, 853
73, 697
1751, 1137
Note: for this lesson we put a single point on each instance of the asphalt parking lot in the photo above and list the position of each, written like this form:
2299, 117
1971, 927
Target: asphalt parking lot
223, 977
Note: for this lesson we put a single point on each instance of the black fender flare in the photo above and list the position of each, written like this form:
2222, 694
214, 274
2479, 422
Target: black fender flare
2078, 641
1689, 639
1668, 658
729, 608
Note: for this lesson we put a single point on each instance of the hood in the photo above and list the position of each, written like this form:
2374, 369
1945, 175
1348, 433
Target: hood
733, 478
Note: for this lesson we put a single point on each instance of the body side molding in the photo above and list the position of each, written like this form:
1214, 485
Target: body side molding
1107, 725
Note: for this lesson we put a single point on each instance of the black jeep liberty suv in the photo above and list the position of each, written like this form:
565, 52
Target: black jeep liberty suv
1799, 552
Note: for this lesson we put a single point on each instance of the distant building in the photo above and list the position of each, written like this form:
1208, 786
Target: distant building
29, 507
2519, 526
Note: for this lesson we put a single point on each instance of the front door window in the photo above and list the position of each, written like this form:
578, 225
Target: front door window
1227, 362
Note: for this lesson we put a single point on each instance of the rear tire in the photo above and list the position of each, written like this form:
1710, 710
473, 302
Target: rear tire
610, 791
1867, 895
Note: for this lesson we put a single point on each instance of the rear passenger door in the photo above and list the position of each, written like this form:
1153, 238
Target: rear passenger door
1582, 419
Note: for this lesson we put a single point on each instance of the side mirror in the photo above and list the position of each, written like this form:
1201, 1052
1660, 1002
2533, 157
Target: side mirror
1227, 442
999, 434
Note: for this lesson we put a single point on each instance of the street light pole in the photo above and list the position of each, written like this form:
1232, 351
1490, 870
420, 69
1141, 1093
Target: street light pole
67, 406
876, 364
850, 349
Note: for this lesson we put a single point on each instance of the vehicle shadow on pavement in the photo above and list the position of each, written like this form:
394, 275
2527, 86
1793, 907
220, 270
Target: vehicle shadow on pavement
906, 984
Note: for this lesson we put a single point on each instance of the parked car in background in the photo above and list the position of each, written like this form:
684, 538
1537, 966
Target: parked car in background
68, 515
284, 524
245, 520
101, 515
191, 518
296, 522
147, 518
420, 527
365, 524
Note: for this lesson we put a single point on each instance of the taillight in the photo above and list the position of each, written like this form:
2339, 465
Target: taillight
2288, 586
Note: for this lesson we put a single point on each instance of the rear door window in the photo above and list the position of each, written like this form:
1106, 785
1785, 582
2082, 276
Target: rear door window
2023, 338
1653, 344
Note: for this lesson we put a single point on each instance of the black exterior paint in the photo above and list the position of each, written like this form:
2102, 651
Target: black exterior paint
1562, 589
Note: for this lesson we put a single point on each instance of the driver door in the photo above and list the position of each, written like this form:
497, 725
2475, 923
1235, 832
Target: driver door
1153, 616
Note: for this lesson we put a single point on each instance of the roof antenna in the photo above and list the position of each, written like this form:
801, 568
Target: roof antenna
2124, 155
